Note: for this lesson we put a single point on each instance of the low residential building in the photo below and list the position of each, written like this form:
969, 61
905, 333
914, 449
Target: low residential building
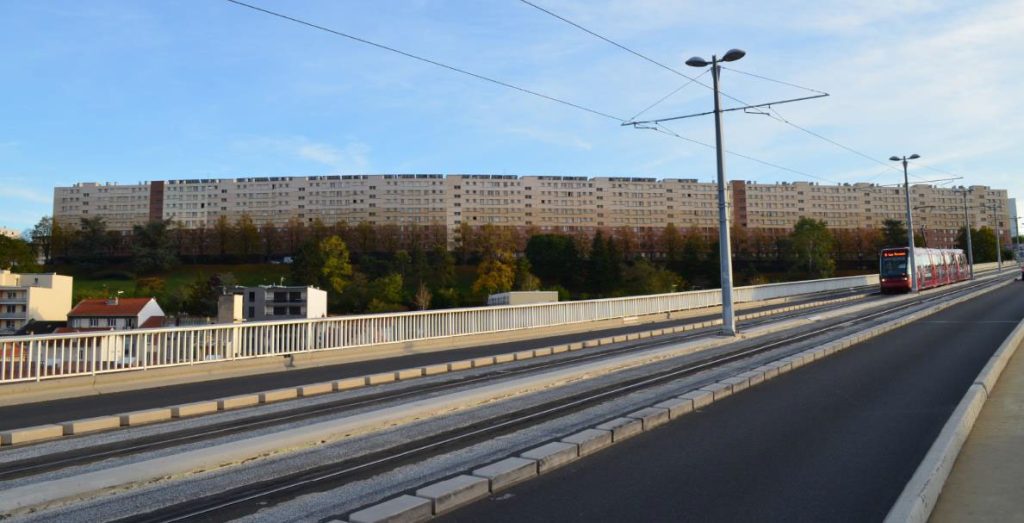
282, 302
115, 314
8, 232
28, 297
522, 298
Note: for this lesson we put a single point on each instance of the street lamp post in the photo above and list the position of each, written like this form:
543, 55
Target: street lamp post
724, 249
967, 232
910, 218
999, 250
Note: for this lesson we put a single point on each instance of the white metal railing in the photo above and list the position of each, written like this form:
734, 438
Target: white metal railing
29, 358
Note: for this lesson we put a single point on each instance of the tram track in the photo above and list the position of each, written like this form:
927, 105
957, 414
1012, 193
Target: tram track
246, 499
76, 457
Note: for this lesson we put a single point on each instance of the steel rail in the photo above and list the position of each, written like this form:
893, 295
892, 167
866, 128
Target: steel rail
56, 461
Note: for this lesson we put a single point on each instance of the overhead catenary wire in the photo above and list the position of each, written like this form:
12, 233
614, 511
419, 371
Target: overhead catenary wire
423, 59
669, 95
777, 116
665, 130
500, 82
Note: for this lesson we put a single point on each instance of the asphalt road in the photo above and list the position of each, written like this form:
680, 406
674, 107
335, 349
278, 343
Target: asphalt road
30, 414
833, 441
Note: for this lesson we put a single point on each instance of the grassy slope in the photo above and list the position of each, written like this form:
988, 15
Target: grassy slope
246, 274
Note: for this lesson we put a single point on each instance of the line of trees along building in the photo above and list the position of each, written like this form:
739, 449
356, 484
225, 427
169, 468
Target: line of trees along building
367, 268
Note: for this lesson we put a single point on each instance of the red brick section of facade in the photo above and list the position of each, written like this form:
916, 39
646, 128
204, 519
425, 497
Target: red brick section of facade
156, 201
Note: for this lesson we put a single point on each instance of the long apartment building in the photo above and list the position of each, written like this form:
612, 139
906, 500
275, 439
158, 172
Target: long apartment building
568, 204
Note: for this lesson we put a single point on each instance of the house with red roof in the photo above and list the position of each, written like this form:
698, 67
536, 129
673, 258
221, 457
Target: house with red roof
115, 314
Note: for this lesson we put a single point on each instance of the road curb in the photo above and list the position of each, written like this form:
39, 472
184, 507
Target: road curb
921, 493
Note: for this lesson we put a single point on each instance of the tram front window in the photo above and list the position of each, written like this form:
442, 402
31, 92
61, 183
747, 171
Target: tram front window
894, 267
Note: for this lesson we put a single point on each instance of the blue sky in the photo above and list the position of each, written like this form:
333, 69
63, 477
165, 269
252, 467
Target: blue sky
127, 91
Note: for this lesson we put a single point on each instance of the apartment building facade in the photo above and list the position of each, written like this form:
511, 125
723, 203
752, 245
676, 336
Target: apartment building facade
277, 302
28, 297
564, 204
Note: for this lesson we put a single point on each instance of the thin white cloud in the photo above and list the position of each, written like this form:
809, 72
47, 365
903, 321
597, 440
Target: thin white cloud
552, 137
25, 194
353, 156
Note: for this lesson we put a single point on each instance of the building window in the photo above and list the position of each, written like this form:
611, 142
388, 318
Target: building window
295, 311
94, 322
279, 311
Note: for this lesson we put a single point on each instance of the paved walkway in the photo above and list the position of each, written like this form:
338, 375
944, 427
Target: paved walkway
987, 481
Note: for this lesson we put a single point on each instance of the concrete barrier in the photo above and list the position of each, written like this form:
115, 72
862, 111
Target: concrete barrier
306, 391
453, 493
409, 374
552, 455
238, 402
622, 428
349, 383
85, 426
271, 396
194, 409
590, 441
31, 434
507, 472
403, 509
143, 417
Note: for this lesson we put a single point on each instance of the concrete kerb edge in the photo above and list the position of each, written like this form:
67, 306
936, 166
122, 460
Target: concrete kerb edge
504, 358
837, 346
921, 493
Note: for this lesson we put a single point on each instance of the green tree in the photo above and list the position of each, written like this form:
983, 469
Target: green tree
42, 238
525, 280
670, 242
604, 271
18, 255
246, 238
200, 295
152, 248
442, 268
697, 263
894, 234
222, 235
386, 294
643, 278
984, 242
811, 245
555, 259
324, 264
496, 273
91, 243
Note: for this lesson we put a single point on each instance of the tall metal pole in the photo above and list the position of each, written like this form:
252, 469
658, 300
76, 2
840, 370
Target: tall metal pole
967, 232
910, 228
999, 250
724, 249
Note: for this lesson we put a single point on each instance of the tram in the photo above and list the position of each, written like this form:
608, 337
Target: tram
935, 267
